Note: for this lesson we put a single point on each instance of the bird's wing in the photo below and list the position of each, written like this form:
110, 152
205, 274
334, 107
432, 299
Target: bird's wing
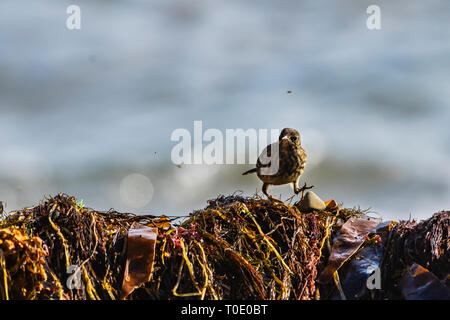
303, 156
264, 157
269, 161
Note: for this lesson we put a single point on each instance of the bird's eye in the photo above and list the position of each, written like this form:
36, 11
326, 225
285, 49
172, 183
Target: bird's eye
294, 139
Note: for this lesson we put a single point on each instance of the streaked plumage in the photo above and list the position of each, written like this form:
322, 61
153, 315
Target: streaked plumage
291, 158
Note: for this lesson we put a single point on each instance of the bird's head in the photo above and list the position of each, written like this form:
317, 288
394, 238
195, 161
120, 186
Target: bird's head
291, 134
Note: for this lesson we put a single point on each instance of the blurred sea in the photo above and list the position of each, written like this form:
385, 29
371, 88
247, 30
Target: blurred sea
90, 112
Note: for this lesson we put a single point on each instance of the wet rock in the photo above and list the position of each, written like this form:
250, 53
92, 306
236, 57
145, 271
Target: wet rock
418, 283
311, 202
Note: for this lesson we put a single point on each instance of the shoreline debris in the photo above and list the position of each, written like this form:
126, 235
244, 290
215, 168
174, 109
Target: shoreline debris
236, 248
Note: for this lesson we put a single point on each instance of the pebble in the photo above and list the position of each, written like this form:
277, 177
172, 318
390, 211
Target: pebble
311, 202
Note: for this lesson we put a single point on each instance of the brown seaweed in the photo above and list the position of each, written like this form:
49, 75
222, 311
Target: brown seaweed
236, 248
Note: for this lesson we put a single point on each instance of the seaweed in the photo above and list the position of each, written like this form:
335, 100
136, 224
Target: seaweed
73, 238
409, 242
242, 248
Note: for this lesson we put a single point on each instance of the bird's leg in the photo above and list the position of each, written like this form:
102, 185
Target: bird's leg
265, 187
295, 186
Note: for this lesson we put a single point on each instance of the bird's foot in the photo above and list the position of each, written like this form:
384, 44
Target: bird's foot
304, 188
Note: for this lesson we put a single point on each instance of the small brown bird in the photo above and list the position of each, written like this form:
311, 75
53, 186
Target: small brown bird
282, 162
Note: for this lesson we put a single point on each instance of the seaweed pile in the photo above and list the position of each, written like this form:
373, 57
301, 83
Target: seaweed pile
241, 248
236, 248
41, 245
25, 258
426, 244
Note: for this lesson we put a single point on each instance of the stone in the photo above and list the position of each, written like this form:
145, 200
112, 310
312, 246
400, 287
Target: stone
311, 202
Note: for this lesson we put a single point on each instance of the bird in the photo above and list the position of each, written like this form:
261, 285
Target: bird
282, 162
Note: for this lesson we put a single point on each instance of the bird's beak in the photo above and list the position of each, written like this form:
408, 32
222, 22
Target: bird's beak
285, 137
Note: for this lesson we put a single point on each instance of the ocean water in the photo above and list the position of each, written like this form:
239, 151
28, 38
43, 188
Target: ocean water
90, 112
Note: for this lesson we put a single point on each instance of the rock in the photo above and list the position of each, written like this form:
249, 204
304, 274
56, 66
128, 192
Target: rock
311, 202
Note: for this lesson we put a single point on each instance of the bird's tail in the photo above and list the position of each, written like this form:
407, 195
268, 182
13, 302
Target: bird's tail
249, 171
